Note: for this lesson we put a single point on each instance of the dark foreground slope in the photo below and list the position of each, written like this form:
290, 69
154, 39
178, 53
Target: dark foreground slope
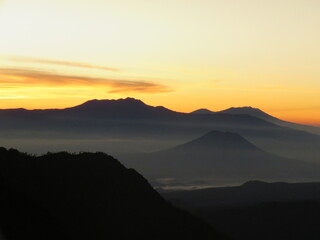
22, 218
257, 210
221, 158
85, 196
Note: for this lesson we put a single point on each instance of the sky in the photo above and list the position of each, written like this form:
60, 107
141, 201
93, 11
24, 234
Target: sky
182, 54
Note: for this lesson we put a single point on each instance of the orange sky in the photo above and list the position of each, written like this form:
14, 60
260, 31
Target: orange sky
183, 54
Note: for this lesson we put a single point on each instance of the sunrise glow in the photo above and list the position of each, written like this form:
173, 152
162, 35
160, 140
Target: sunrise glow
184, 55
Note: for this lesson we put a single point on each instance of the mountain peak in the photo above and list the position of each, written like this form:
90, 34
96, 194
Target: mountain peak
248, 110
255, 183
112, 106
255, 112
245, 108
219, 140
202, 111
128, 108
97, 103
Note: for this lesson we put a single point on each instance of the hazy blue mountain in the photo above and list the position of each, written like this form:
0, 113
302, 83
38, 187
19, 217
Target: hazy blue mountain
256, 112
260, 114
86, 196
257, 210
109, 125
220, 157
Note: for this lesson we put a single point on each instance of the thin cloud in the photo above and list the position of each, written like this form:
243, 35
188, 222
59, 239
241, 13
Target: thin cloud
61, 63
28, 78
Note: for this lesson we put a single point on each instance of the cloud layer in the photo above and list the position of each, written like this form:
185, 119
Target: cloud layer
61, 63
17, 78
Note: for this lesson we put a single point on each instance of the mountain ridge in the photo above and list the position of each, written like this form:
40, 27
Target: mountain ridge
256, 112
92, 196
144, 128
135, 107
220, 157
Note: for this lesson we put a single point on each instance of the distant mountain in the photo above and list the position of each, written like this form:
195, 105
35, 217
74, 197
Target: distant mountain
257, 210
120, 108
256, 112
202, 111
109, 125
216, 141
220, 157
85, 196
260, 114
115, 109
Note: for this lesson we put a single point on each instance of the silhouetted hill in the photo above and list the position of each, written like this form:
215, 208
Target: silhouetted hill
257, 210
202, 111
220, 157
86, 196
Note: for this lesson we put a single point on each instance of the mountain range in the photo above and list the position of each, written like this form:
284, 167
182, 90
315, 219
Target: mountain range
109, 125
94, 196
256, 112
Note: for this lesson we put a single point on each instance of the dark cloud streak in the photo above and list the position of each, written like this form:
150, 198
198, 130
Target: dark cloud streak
29, 78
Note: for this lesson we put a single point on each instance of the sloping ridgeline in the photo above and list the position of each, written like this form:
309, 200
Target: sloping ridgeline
257, 210
220, 157
85, 196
